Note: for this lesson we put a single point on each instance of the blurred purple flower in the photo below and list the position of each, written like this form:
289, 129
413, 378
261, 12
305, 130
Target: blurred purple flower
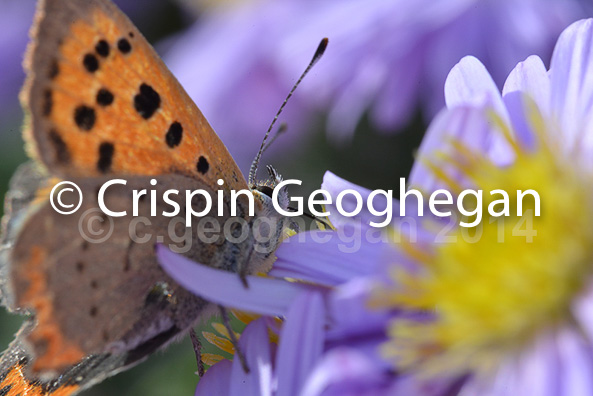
15, 18
384, 57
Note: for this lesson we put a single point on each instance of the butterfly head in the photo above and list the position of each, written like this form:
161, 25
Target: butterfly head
263, 190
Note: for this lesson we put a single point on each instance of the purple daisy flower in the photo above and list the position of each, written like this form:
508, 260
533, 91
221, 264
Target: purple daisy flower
512, 298
503, 310
384, 58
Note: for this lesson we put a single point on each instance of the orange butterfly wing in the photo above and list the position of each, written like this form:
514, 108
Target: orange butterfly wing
15, 383
101, 101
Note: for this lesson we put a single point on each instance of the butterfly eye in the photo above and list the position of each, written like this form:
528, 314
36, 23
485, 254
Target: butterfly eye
266, 190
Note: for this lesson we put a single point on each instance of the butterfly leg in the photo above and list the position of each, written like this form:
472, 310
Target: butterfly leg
195, 340
243, 271
227, 324
243, 278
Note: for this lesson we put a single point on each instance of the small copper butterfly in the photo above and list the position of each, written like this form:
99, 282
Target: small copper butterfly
101, 105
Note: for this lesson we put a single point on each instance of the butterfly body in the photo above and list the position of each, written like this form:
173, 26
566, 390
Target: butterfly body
101, 105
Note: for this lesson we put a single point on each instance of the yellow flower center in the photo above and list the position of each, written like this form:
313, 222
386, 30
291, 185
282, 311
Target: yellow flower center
487, 292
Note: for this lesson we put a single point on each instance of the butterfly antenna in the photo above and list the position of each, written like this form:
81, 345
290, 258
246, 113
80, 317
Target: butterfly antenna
281, 129
318, 53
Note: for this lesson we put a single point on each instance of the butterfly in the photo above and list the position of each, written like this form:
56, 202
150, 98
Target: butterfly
101, 105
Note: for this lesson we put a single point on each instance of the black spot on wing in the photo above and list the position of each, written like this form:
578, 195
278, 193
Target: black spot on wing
54, 69
174, 135
104, 97
91, 63
202, 165
147, 101
124, 46
4, 391
102, 48
61, 150
85, 117
106, 151
127, 261
47, 102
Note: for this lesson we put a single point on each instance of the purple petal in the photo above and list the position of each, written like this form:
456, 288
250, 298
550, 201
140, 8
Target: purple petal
571, 75
329, 257
576, 356
519, 106
467, 125
527, 86
263, 296
583, 312
301, 343
537, 370
531, 77
469, 83
412, 384
353, 101
357, 230
335, 185
216, 381
400, 92
347, 369
350, 315
255, 344
504, 381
